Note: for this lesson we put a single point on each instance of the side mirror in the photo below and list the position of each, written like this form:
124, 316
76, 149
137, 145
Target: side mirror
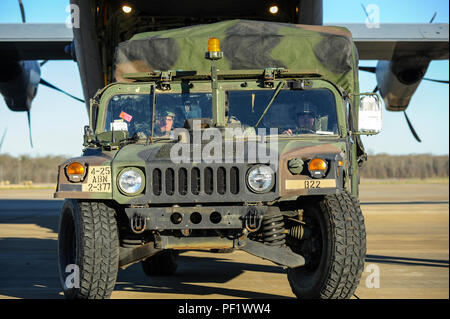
370, 114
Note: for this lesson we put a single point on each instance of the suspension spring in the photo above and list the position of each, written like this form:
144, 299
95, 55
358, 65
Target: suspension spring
297, 232
273, 231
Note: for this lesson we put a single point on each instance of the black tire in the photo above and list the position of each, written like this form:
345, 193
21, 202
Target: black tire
88, 238
335, 264
164, 263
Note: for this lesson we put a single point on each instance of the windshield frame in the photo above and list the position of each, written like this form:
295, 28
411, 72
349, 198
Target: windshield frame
204, 86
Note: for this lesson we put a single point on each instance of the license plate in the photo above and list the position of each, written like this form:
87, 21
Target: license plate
98, 179
310, 184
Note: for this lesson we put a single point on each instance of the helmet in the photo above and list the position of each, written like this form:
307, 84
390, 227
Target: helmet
167, 113
307, 108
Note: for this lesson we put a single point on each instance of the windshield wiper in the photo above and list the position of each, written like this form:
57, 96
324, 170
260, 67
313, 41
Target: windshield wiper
162, 138
274, 96
153, 89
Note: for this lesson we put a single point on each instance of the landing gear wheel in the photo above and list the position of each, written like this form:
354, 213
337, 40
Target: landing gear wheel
335, 251
88, 248
161, 264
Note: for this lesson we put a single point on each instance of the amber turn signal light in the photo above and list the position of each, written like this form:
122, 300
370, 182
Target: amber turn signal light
75, 172
75, 169
317, 164
317, 167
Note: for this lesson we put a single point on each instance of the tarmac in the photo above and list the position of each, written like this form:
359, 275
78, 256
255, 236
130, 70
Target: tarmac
407, 253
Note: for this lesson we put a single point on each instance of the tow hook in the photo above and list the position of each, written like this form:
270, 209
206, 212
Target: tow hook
253, 219
138, 223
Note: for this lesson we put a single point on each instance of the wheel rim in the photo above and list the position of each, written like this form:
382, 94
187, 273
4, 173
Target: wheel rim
316, 245
314, 250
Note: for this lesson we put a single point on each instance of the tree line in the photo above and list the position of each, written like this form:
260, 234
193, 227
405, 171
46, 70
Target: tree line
384, 166
23, 169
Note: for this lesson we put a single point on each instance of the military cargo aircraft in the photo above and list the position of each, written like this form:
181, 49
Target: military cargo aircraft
404, 51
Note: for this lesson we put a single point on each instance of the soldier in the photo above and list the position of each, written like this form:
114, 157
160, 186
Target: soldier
305, 121
164, 124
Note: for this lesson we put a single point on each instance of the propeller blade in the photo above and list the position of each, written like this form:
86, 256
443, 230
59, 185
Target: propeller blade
3, 138
434, 80
22, 11
434, 16
43, 82
411, 128
29, 127
375, 89
365, 11
370, 69
43, 62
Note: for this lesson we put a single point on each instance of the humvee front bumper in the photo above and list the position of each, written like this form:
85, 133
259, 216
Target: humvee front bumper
197, 217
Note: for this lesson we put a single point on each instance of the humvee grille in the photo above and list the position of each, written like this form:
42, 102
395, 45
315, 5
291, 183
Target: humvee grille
184, 181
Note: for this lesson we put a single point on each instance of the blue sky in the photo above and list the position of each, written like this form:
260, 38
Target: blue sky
57, 120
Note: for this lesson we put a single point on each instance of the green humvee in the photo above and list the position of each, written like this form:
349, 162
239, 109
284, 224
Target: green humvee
256, 147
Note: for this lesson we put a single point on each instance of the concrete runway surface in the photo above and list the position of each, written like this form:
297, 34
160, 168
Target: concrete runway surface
407, 252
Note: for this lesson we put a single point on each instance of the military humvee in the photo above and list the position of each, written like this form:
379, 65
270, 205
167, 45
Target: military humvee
255, 147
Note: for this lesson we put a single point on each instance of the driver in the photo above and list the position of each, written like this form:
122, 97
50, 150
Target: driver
164, 124
305, 121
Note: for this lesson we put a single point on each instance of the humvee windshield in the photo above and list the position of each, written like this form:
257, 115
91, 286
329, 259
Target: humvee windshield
293, 112
133, 112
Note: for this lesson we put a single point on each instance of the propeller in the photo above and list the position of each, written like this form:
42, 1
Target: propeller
29, 127
434, 80
373, 69
22, 11
3, 138
434, 16
411, 128
45, 83
41, 81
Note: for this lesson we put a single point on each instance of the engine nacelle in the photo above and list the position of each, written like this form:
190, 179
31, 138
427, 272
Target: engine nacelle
20, 85
398, 80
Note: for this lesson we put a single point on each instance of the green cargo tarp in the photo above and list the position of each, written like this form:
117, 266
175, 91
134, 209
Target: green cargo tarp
246, 45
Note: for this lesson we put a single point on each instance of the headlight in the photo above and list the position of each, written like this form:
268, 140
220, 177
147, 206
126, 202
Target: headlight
131, 181
260, 178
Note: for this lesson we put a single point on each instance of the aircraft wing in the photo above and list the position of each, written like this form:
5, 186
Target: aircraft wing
393, 40
35, 41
